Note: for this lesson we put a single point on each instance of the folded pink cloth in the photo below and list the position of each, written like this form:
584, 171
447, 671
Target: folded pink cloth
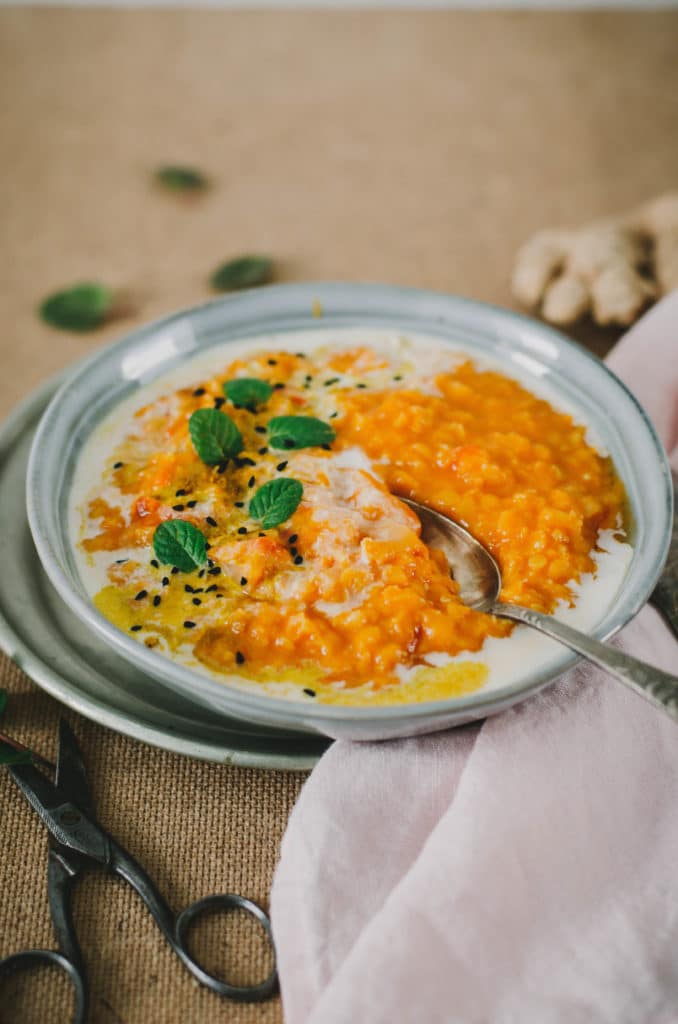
519, 871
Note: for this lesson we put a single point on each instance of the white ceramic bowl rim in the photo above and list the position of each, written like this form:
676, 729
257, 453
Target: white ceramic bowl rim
83, 400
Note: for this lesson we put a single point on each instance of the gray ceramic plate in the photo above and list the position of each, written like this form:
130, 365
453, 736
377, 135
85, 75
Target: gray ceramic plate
71, 663
538, 354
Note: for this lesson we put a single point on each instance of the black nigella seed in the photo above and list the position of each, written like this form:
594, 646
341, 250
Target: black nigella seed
288, 442
156, 600
246, 461
263, 451
243, 581
118, 465
178, 508
326, 447
272, 362
188, 588
298, 560
398, 376
361, 385
218, 595
201, 573
332, 380
192, 503
260, 430
300, 355
218, 402
196, 600
198, 392
262, 533
180, 493
240, 657
121, 561
211, 588
251, 482
282, 465
165, 581
198, 590
141, 595
293, 539
174, 570
333, 415
135, 629
239, 504
211, 520
188, 624
308, 377
242, 529
223, 466
279, 386
216, 571
308, 692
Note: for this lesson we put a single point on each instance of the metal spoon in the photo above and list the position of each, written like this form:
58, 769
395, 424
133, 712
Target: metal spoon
479, 580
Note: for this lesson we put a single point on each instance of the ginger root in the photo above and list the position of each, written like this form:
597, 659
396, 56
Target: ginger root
611, 268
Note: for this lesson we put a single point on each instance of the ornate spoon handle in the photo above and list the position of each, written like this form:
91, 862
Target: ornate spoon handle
658, 687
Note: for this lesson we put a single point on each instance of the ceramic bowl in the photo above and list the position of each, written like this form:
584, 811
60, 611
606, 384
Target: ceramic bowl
539, 354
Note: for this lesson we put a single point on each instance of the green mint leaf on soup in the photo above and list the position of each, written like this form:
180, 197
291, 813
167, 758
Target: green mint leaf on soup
248, 392
83, 307
298, 432
181, 179
214, 435
244, 272
177, 542
10, 755
276, 501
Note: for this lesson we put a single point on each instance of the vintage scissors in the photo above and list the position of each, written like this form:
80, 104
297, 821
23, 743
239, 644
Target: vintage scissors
77, 842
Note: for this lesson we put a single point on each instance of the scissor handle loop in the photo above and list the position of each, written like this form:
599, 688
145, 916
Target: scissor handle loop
29, 958
216, 904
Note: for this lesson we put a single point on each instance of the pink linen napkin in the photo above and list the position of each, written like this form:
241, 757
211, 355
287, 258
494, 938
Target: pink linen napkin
520, 870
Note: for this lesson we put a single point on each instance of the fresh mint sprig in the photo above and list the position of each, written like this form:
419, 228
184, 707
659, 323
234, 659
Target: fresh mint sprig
180, 543
248, 392
287, 432
276, 501
214, 435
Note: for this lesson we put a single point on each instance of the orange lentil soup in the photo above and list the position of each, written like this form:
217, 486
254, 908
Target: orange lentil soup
341, 598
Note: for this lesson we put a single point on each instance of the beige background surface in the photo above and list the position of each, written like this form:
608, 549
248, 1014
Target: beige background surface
412, 148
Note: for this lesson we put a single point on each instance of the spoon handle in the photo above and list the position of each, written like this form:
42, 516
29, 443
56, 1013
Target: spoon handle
658, 687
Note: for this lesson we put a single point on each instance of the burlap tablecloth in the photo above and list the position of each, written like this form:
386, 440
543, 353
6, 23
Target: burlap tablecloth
415, 148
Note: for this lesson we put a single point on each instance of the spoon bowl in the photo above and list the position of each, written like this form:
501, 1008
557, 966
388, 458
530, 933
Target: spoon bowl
478, 577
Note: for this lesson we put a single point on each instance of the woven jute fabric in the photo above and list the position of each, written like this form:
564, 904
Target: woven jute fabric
418, 148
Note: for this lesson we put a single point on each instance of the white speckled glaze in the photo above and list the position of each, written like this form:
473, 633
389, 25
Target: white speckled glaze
545, 361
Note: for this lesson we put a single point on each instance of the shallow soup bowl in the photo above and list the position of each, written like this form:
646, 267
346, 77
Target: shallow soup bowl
540, 358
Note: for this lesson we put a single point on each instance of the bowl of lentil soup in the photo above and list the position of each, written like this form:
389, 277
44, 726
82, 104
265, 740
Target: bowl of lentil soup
217, 496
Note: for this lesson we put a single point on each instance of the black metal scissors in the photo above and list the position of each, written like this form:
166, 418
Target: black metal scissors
76, 843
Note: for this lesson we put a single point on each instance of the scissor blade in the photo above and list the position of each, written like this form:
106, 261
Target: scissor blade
69, 825
71, 776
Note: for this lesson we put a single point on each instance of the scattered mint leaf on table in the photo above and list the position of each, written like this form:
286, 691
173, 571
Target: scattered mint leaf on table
287, 432
177, 542
181, 179
84, 307
276, 501
249, 392
214, 435
244, 272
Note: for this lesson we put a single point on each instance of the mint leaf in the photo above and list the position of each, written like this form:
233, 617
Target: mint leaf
181, 179
276, 501
244, 272
214, 435
177, 542
80, 308
10, 755
298, 432
249, 392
